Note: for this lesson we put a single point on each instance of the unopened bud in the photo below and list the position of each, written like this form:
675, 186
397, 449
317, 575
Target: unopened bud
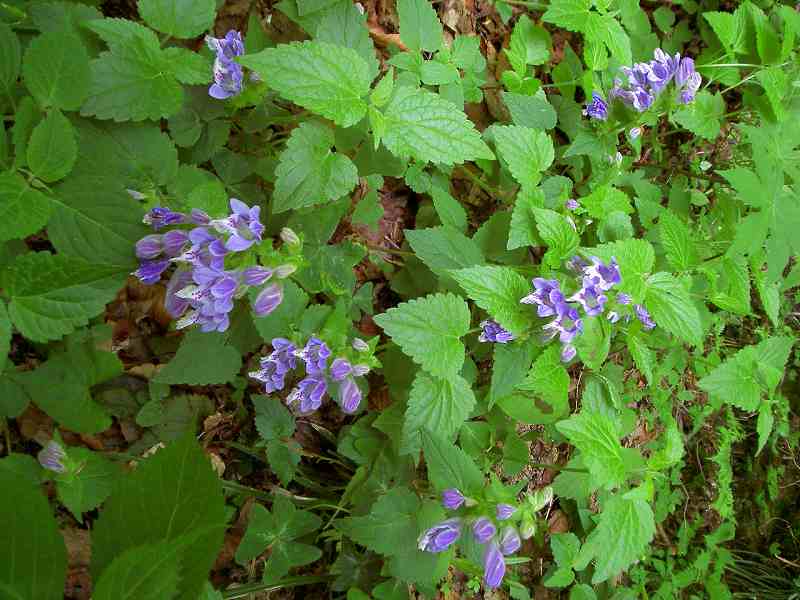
289, 236
360, 345
283, 271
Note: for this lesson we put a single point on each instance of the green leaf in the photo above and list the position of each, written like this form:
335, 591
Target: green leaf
530, 45
147, 572
595, 342
558, 233
542, 396
420, 28
202, 359
596, 436
23, 210
729, 30
636, 259
33, 559
451, 212
189, 67
344, 25
52, 149
309, 172
133, 82
90, 485
764, 425
702, 117
530, 111
449, 466
429, 331
510, 366
440, 405
568, 14
731, 286
739, 380
273, 419
175, 497
326, 79
565, 547
279, 322
181, 19
5, 336
643, 357
668, 301
444, 248
56, 70
423, 125
522, 232
677, 241
527, 152
10, 58
51, 295
498, 290
624, 532
605, 200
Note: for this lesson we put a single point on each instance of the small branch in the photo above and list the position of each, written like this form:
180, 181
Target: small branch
246, 590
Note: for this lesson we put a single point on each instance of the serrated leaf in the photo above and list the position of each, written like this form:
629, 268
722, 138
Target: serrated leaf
498, 290
444, 248
542, 396
181, 19
671, 307
703, 116
344, 25
52, 149
34, 559
526, 151
731, 288
429, 331
56, 70
568, 14
440, 405
625, 530
273, 419
147, 572
605, 200
596, 436
133, 82
522, 232
309, 172
449, 466
175, 497
530, 111
51, 295
636, 258
558, 233
451, 212
189, 67
89, 486
326, 79
202, 359
728, 29
677, 241
510, 366
423, 125
643, 357
420, 28
23, 210
10, 58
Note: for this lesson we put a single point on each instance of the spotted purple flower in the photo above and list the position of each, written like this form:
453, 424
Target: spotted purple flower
228, 74
243, 225
509, 540
493, 332
603, 276
567, 325
440, 537
149, 271
483, 530
226, 48
546, 294
494, 566
590, 297
276, 365
158, 217
309, 393
644, 317
504, 511
315, 355
52, 456
452, 499
597, 108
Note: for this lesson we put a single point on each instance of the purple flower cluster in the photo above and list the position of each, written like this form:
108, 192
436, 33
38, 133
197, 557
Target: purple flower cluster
498, 541
310, 391
646, 81
596, 109
491, 331
201, 290
228, 74
597, 278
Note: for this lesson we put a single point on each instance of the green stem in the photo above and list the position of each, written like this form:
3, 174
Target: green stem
390, 251
727, 65
244, 590
479, 182
525, 3
550, 467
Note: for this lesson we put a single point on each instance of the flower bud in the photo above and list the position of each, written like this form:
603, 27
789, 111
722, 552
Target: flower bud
268, 300
509, 540
288, 236
349, 396
256, 275
52, 456
494, 566
452, 499
504, 511
440, 537
528, 528
283, 271
483, 530
360, 345
340, 368
150, 246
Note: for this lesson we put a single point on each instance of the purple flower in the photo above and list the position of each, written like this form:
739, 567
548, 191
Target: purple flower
572, 204
440, 537
228, 74
546, 294
493, 332
149, 271
504, 511
349, 395
309, 393
242, 224
597, 108
158, 217
226, 48
644, 317
276, 365
613, 316
315, 355
601, 275
360, 370
494, 566
509, 540
268, 299
52, 456
635, 132
175, 305
452, 499
568, 352
687, 80
623, 298
340, 369
590, 297
360, 345
174, 242
662, 69
567, 324
256, 275
149, 247
483, 530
